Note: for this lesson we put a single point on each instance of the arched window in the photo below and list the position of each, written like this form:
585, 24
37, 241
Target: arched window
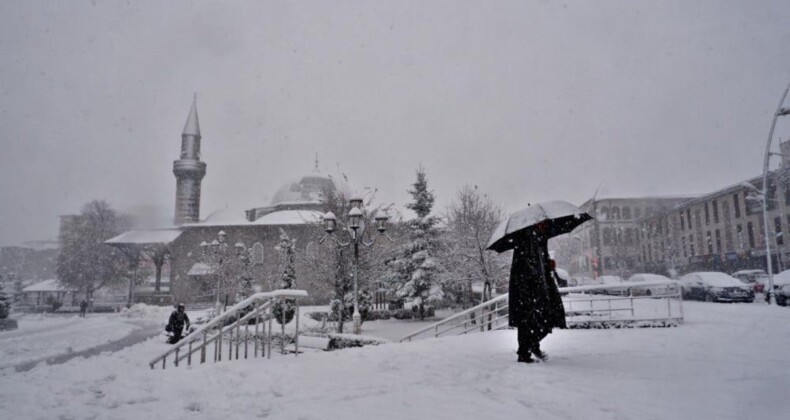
615, 213
257, 253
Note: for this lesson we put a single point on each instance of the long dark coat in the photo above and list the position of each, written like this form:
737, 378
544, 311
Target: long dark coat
534, 301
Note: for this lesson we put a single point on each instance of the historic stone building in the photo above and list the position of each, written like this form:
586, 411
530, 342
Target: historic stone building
720, 231
723, 230
187, 255
610, 243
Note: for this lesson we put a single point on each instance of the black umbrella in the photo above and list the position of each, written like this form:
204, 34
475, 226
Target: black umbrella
547, 220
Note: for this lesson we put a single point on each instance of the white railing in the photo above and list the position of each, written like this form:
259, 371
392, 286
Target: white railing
601, 311
580, 310
490, 315
214, 331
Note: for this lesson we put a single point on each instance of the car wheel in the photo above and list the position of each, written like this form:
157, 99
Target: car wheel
648, 293
629, 292
709, 298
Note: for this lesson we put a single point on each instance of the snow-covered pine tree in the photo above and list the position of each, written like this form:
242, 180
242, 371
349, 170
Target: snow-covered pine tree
285, 309
413, 272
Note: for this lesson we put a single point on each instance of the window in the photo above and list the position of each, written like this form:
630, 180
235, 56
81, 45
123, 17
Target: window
787, 195
739, 234
691, 245
771, 197
779, 234
750, 209
707, 215
750, 233
715, 211
626, 213
628, 240
688, 217
736, 203
607, 236
683, 245
710, 242
718, 241
682, 223
615, 213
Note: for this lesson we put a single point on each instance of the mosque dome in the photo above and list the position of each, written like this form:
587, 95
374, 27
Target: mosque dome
310, 189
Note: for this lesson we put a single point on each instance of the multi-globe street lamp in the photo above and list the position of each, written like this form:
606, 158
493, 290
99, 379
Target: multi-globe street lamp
355, 231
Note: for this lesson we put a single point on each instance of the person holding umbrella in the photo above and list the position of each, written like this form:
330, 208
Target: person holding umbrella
535, 305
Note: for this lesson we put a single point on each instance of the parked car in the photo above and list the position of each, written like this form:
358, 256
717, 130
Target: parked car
782, 288
611, 281
634, 289
715, 287
756, 278
782, 295
564, 275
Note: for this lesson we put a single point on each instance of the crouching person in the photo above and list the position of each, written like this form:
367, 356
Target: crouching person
178, 320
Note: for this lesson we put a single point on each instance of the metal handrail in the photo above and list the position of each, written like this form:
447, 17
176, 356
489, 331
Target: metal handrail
435, 327
454, 317
231, 312
254, 313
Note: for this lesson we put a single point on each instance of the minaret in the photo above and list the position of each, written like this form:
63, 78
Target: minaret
189, 171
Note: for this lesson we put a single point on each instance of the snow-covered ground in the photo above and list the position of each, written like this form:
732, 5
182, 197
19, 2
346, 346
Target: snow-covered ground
43, 336
725, 362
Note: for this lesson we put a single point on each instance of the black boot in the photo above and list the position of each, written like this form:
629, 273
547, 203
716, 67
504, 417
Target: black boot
525, 359
540, 354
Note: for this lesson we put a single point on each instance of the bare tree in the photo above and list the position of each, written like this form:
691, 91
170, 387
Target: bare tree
85, 262
471, 218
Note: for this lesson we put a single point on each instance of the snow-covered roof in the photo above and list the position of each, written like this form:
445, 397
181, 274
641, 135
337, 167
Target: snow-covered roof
51, 285
200, 269
308, 190
289, 217
283, 217
154, 236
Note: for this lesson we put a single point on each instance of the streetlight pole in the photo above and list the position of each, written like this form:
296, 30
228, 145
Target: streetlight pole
355, 231
780, 111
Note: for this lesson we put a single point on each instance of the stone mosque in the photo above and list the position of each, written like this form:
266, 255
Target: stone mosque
178, 255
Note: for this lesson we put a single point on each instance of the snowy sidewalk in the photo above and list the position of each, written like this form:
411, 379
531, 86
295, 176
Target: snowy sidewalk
725, 362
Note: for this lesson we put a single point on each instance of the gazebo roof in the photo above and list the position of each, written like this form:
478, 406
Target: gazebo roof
51, 285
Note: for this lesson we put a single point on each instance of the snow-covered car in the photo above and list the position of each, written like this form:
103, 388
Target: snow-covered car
782, 295
715, 287
782, 288
634, 289
616, 286
564, 275
756, 278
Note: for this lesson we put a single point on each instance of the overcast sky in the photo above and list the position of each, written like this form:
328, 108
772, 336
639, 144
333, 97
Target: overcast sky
529, 100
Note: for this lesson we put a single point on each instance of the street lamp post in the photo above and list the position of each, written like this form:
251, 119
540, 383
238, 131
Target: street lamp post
355, 230
780, 111
214, 254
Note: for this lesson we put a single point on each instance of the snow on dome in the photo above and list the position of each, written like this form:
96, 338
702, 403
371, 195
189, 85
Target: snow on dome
290, 217
308, 190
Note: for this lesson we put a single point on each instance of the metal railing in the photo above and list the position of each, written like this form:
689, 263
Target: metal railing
490, 315
580, 310
596, 310
214, 331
